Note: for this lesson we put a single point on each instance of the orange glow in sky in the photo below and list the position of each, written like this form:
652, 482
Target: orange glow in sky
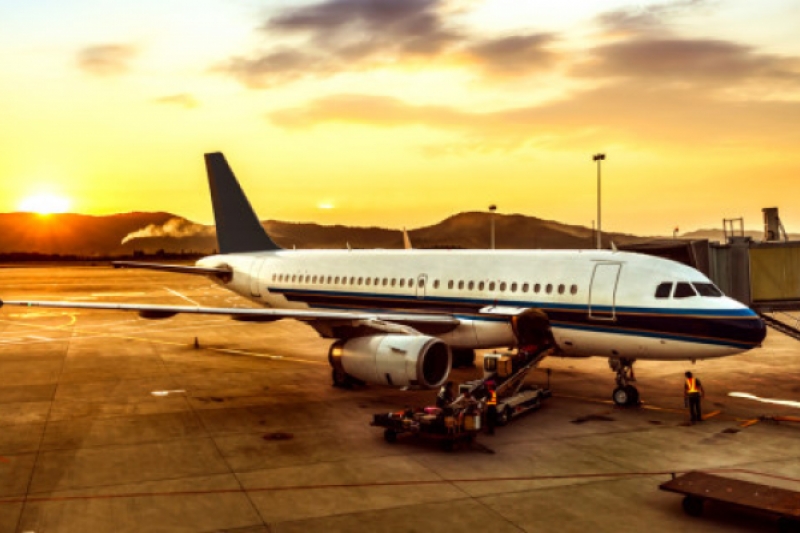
404, 112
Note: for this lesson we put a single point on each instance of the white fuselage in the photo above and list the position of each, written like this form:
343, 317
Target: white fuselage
599, 303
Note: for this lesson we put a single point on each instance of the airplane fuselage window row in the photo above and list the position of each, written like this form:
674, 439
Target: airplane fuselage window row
460, 285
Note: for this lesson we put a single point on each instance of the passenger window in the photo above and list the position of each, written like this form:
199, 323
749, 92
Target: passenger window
707, 289
377, 281
450, 284
436, 284
471, 285
360, 281
422, 283
561, 288
537, 288
524, 287
461, 285
394, 280
513, 287
411, 283
502, 285
481, 285
573, 289
549, 288
491, 285
402, 282
385, 281
368, 281
336, 280
684, 290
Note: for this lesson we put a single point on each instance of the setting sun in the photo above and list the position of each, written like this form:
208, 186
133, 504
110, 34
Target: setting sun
44, 204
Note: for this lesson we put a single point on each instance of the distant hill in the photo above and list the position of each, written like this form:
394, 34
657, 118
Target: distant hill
150, 232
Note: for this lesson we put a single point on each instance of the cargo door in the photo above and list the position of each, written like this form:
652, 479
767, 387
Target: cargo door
255, 269
603, 291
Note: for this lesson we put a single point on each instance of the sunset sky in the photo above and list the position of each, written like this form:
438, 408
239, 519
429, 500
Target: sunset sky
403, 112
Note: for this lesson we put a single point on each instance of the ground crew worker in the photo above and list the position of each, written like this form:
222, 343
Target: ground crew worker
692, 393
445, 396
491, 407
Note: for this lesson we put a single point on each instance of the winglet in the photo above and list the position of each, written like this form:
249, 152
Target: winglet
238, 228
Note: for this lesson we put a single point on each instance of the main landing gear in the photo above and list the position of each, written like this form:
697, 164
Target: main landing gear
625, 395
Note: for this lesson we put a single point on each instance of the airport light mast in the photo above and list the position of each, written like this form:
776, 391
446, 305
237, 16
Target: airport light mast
598, 158
492, 209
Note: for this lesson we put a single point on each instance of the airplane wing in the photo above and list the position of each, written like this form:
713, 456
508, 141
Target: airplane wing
379, 321
225, 274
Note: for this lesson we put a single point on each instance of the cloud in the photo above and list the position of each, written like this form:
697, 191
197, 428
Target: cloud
514, 55
337, 36
690, 61
184, 100
649, 19
618, 113
106, 59
174, 227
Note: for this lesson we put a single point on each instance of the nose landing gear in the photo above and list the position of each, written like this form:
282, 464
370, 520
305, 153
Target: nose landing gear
625, 395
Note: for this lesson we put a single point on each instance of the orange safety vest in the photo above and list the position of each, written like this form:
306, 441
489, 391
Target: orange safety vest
691, 387
492, 398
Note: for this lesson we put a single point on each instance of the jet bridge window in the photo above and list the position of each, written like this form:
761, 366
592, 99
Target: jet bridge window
684, 290
707, 289
664, 290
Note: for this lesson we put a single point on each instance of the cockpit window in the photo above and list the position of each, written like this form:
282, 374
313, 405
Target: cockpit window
664, 290
707, 289
684, 290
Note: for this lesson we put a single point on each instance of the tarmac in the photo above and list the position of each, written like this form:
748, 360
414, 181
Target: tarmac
112, 423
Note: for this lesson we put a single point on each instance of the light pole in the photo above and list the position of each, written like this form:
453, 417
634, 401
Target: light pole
598, 158
492, 209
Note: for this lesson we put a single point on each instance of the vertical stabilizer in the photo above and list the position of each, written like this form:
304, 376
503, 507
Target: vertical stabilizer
238, 228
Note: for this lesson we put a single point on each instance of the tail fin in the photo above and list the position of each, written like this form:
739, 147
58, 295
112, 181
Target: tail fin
238, 228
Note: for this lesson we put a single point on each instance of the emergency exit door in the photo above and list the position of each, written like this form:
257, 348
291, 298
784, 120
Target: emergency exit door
603, 291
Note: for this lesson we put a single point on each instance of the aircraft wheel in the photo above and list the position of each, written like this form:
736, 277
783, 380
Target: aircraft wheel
633, 395
621, 396
693, 506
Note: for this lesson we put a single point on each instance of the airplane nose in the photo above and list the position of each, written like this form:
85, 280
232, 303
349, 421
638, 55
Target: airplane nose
752, 331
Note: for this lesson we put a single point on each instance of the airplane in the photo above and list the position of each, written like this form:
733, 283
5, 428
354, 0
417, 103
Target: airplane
403, 318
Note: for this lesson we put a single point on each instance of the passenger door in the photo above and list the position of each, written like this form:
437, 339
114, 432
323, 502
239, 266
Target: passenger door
422, 281
603, 291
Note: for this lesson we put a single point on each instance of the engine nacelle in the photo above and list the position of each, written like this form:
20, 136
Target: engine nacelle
394, 360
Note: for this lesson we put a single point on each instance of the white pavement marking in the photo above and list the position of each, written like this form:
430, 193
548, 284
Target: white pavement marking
179, 295
748, 396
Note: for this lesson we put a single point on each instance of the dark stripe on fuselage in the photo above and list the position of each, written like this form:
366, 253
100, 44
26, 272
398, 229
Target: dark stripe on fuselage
739, 328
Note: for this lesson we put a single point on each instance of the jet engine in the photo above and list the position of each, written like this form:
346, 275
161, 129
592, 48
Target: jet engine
394, 360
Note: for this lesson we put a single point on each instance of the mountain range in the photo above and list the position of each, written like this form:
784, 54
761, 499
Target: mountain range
124, 234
